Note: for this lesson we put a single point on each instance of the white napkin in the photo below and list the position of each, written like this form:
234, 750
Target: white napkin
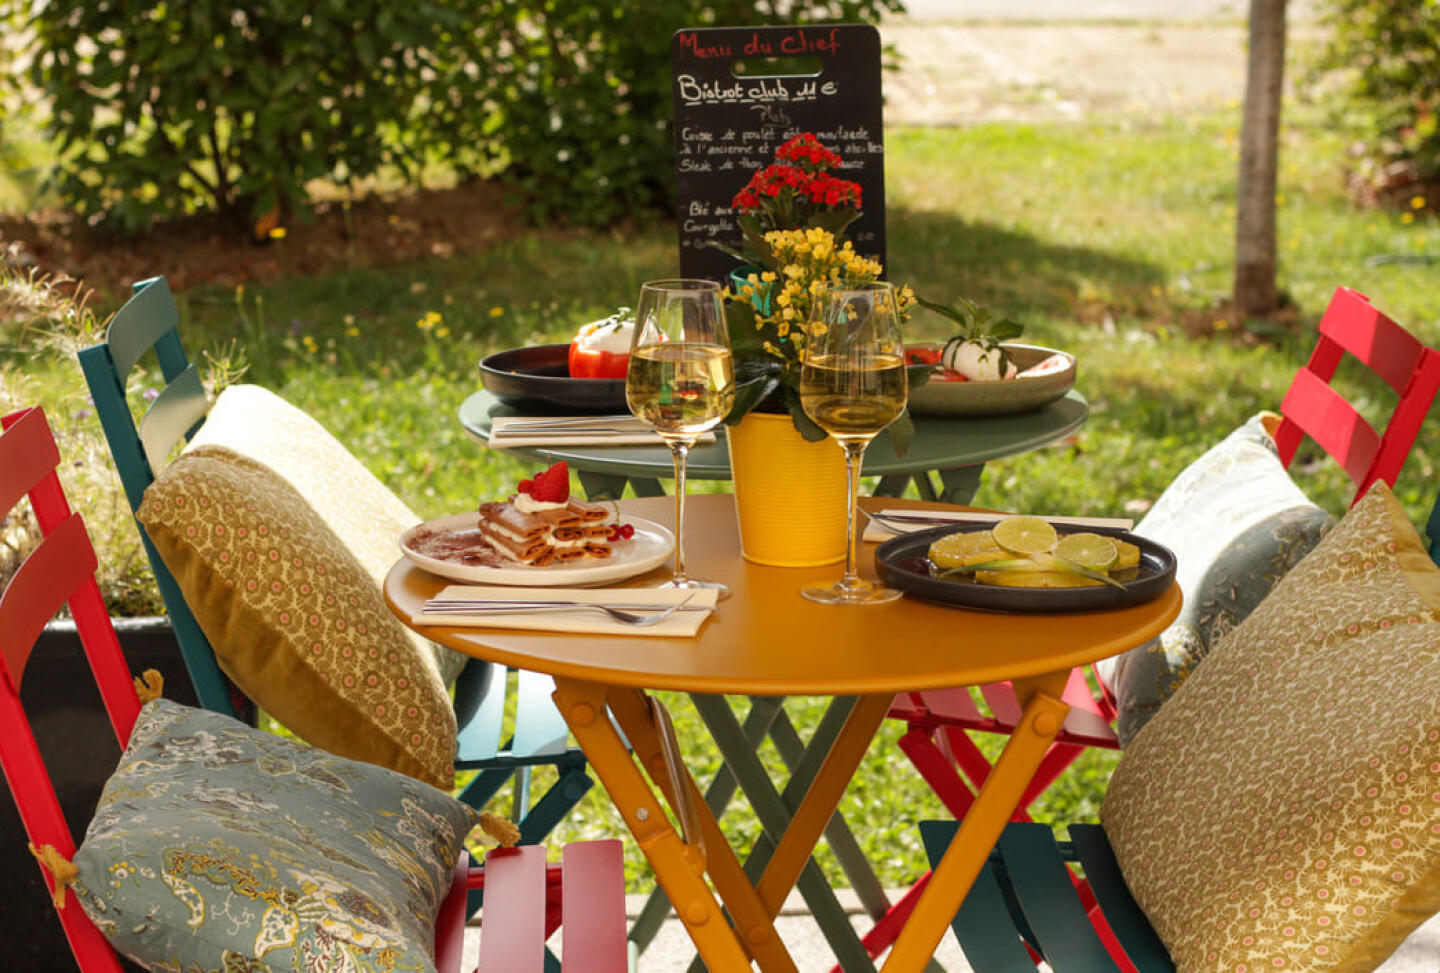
570, 431
875, 531
684, 623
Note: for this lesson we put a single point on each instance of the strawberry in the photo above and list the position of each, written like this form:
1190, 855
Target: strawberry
552, 486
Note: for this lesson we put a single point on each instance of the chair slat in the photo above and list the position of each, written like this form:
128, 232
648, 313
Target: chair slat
450, 923
1324, 415
27, 455
1357, 326
483, 688
176, 410
1122, 913
593, 906
539, 728
985, 925
512, 927
144, 320
1044, 888
60, 564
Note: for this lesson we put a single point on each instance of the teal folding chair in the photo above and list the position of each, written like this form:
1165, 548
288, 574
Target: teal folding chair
538, 736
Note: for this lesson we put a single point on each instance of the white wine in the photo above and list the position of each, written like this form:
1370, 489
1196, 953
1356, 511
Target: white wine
853, 397
680, 388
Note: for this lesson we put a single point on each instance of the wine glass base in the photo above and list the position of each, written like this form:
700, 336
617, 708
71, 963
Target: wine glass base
841, 593
722, 591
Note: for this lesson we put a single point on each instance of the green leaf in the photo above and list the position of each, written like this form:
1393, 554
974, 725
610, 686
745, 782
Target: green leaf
804, 425
750, 394
918, 375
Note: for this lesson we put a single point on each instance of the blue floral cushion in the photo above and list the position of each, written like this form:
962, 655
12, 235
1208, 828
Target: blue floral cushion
1237, 523
217, 846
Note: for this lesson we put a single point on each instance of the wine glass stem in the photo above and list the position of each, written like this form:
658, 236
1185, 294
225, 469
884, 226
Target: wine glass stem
681, 452
854, 450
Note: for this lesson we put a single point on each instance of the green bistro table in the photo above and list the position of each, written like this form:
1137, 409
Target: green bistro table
954, 448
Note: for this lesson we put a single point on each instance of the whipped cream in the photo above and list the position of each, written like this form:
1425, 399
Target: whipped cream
526, 504
611, 334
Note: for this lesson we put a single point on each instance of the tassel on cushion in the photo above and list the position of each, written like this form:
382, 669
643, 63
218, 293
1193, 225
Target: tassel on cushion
501, 829
61, 870
149, 686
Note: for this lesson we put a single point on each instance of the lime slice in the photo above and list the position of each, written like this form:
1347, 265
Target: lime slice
1094, 551
961, 549
1025, 535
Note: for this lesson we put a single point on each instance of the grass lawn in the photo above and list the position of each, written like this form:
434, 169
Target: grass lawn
1113, 240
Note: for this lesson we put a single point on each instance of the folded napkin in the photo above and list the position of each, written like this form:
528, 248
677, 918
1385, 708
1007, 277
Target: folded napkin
875, 531
684, 623
575, 431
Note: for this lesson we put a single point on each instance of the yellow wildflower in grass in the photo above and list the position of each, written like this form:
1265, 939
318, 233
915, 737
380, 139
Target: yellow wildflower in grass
1417, 202
1407, 217
495, 312
352, 332
277, 233
309, 343
442, 332
429, 321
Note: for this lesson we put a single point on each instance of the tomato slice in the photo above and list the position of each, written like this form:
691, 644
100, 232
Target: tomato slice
922, 356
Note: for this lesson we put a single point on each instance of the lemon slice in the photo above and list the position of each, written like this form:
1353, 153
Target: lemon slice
1129, 555
1025, 535
1094, 551
1035, 579
965, 548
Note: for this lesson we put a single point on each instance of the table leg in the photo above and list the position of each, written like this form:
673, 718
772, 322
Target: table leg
821, 799
961, 482
774, 816
950, 883
602, 486
763, 711
583, 705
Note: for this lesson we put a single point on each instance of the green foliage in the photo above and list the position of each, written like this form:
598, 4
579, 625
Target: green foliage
577, 97
1387, 53
161, 109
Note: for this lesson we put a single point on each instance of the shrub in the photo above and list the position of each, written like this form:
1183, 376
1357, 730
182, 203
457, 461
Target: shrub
162, 109
1386, 57
576, 97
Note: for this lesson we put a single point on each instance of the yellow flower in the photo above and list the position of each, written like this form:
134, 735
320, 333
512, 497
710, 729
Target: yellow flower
783, 298
442, 332
1407, 217
1417, 202
277, 233
495, 312
352, 332
768, 277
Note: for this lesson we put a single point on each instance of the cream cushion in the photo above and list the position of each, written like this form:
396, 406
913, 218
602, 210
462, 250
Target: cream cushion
1282, 810
337, 488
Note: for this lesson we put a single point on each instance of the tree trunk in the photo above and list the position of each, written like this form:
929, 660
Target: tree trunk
1254, 290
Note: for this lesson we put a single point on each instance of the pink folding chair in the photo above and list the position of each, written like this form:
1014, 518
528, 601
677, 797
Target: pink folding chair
529, 898
937, 740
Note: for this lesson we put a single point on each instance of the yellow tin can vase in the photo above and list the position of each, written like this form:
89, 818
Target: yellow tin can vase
790, 494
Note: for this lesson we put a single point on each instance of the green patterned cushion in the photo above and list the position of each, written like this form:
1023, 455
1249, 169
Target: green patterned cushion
1237, 523
217, 846
1279, 812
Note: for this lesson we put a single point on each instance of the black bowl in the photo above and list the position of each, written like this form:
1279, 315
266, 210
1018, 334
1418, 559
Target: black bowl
540, 376
901, 563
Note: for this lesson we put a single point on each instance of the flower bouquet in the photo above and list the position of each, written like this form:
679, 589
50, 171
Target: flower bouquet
793, 215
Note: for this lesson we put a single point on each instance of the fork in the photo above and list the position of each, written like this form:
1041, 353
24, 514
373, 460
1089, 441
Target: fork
438, 606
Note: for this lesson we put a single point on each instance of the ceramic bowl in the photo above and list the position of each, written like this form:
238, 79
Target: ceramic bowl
540, 376
997, 398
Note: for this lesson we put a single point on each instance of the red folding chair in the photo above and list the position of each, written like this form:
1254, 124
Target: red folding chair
530, 897
939, 723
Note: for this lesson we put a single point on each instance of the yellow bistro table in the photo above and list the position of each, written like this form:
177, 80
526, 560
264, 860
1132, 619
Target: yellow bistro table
767, 640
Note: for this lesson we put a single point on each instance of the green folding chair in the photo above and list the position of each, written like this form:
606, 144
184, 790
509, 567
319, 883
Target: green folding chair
538, 735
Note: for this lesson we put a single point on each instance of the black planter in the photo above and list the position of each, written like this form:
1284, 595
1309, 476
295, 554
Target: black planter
80, 750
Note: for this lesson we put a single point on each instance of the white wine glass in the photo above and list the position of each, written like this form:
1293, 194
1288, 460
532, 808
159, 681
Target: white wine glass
680, 380
852, 383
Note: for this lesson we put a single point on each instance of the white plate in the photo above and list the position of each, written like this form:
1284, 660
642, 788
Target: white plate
649, 548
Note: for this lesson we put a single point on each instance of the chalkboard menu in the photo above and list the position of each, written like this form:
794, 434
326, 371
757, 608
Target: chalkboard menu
738, 98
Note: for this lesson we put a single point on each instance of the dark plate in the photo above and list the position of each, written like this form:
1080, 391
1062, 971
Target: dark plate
540, 374
901, 563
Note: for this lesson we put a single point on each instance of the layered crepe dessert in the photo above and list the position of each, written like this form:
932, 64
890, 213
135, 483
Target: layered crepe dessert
541, 524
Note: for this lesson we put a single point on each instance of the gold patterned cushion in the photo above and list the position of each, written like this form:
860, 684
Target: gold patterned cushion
294, 618
342, 493
1282, 810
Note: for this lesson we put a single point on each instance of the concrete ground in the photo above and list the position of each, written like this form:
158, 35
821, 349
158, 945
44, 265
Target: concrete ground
971, 61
